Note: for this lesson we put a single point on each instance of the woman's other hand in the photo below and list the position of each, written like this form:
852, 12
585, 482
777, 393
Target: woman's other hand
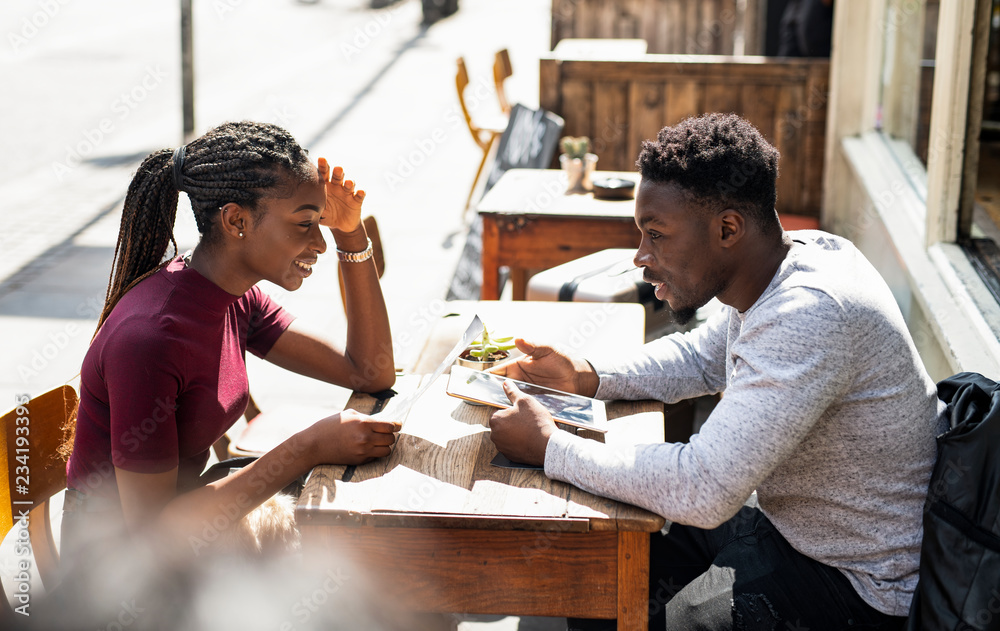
343, 203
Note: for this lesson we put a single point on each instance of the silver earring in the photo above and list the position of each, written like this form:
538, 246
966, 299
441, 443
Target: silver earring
241, 235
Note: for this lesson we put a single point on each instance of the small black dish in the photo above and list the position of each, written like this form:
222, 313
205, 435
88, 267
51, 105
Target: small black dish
614, 188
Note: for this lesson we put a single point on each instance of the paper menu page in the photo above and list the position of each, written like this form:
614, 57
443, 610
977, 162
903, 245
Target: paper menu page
399, 407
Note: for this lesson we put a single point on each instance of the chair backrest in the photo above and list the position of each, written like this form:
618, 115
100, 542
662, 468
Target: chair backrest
462, 82
501, 72
32, 471
371, 227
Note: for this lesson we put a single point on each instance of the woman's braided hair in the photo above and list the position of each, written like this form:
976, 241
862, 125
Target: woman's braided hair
235, 162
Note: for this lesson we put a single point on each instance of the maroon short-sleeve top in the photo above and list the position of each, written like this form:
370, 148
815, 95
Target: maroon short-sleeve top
166, 377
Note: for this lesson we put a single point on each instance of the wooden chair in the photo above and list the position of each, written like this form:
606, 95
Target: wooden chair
501, 72
265, 429
32, 471
484, 136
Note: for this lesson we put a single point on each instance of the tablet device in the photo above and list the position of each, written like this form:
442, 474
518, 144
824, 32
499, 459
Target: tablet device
486, 388
504, 462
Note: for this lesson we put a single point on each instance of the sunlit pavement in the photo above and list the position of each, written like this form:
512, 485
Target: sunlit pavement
91, 88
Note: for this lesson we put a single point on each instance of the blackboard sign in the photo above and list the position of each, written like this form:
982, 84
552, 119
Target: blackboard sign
468, 277
529, 142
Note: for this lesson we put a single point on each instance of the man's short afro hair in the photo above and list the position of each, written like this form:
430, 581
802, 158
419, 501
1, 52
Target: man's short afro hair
721, 160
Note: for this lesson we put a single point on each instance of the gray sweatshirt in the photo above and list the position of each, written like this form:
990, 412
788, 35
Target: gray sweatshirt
827, 412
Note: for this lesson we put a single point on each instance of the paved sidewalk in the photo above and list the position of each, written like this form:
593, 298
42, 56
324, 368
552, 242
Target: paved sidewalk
377, 97
369, 89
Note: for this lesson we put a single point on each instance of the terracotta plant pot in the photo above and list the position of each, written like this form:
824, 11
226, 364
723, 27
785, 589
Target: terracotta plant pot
485, 363
579, 172
475, 363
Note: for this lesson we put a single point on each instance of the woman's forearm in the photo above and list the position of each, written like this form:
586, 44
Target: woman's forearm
369, 339
197, 517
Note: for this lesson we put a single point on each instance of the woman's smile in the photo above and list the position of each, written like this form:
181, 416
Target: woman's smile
304, 268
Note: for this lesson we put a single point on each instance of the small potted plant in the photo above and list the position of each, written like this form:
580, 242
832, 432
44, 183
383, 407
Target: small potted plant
578, 163
486, 351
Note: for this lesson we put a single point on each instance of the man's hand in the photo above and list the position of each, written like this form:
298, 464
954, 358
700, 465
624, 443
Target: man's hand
522, 432
551, 368
343, 204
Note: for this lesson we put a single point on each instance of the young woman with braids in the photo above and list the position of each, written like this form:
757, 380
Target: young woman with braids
165, 377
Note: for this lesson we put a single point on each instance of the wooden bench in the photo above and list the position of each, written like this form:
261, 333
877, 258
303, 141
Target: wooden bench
618, 104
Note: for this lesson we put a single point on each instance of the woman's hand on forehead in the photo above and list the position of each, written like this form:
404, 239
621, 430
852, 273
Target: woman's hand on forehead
343, 203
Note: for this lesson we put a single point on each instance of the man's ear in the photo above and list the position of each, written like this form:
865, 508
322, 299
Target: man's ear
732, 227
234, 220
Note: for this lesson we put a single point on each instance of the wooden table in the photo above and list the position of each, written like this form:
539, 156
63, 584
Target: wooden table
445, 531
531, 224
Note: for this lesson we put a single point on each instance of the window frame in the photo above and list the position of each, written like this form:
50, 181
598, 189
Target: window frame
869, 190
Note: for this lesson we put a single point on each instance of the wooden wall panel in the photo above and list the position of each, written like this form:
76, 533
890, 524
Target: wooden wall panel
651, 22
789, 143
621, 103
760, 104
610, 125
684, 99
730, 24
646, 107
606, 15
691, 27
753, 23
722, 97
689, 36
674, 31
577, 105
710, 29
817, 96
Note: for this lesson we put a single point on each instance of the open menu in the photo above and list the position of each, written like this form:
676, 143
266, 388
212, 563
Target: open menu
399, 407
485, 388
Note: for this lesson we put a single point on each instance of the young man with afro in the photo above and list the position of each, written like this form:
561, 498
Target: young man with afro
799, 502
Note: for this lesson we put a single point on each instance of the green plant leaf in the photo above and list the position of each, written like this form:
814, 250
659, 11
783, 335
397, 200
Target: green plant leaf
485, 345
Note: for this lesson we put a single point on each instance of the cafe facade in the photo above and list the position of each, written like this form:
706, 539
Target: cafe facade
910, 166
892, 142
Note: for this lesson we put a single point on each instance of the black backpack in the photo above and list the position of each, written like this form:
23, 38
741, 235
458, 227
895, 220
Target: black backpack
959, 587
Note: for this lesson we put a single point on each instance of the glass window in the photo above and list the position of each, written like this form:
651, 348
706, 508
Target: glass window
904, 110
986, 213
981, 238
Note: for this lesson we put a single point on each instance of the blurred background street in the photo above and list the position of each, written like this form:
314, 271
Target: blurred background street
89, 89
